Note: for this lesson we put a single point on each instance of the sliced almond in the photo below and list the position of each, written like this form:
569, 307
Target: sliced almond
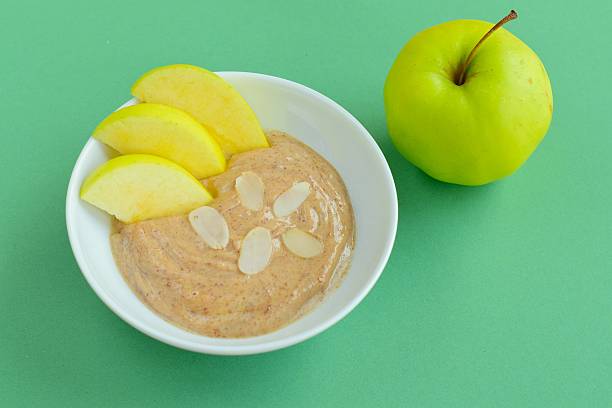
211, 226
250, 190
290, 200
302, 243
255, 251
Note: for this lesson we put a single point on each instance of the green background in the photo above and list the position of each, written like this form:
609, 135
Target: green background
493, 296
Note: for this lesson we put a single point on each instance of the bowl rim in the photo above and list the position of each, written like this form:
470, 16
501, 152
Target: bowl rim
247, 348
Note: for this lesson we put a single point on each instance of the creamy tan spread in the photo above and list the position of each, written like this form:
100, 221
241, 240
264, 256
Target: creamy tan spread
174, 272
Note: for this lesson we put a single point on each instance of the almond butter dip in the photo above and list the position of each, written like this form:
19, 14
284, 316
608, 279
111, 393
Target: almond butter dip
173, 271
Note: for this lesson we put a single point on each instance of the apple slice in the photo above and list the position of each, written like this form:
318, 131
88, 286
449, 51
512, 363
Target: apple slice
209, 99
138, 187
163, 131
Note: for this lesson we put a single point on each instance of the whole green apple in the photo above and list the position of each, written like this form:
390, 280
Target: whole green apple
467, 111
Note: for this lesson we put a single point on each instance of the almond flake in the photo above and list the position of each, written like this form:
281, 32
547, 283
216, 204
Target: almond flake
301, 243
250, 190
255, 251
290, 200
210, 226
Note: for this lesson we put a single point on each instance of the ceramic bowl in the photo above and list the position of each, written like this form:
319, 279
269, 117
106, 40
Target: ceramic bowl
320, 123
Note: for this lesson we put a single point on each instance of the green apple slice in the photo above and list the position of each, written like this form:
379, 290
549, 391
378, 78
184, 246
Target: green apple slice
166, 132
138, 187
209, 99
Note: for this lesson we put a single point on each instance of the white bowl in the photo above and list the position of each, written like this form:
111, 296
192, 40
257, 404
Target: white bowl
320, 123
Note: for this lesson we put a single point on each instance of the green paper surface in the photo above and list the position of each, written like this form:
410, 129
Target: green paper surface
493, 296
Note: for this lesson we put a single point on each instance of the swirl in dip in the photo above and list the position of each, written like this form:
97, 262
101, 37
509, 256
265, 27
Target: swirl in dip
173, 271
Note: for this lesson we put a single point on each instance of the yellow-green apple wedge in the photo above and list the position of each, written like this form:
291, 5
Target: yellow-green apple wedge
166, 132
467, 111
209, 99
138, 187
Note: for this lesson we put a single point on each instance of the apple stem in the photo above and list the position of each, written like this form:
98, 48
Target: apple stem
460, 80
